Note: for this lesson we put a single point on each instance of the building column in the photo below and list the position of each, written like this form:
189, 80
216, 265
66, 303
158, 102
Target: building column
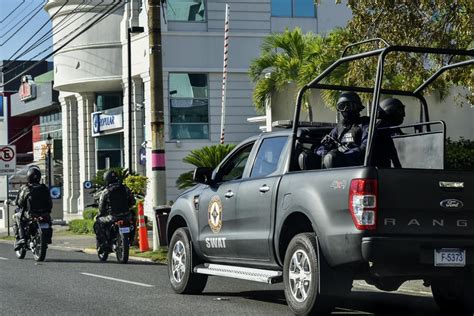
70, 155
138, 116
86, 146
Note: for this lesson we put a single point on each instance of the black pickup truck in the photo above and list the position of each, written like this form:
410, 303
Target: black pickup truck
268, 213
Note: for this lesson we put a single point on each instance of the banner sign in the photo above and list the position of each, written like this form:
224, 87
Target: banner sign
104, 122
40, 149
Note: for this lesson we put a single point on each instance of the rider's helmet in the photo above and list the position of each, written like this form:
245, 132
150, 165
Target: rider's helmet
33, 175
110, 177
391, 111
349, 102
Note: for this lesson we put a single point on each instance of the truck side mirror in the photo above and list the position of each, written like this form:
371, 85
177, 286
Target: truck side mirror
203, 175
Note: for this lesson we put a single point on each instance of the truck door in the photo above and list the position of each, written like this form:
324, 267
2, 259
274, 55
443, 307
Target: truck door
255, 204
217, 206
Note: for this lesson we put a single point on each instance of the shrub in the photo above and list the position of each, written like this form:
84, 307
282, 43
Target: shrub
122, 173
90, 213
460, 154
136, 184
82, 226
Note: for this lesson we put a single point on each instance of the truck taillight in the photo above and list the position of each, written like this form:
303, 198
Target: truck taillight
363, 203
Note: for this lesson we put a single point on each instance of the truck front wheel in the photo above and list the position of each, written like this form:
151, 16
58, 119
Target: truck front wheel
180, 265
300, 276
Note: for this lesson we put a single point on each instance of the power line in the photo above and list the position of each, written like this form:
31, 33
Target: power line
35, 11
9, 14
55, 30
62, 39
29, 19
41, 27
104, 15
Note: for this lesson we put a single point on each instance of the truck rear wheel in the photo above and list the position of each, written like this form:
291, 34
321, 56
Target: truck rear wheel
454, 296
300, 276
180, 265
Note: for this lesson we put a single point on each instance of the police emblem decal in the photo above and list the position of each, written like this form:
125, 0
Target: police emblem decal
215, 214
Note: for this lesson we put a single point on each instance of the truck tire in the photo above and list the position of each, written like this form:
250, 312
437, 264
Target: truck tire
181, 257
301, 277
453, 297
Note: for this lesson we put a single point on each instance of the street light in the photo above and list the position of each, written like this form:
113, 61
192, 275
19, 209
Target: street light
49, 143
133, 29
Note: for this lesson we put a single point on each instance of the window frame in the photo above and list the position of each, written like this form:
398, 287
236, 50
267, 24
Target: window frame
280, 161
293, 10
187, 21
170, 98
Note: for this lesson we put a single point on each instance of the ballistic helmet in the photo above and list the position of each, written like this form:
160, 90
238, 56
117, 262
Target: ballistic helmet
33, 175
349, 102
110, 176
392, 111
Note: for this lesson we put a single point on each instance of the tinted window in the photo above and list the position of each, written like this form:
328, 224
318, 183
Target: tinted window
234, 168
268, 156
293, 8
281, 7
186, 10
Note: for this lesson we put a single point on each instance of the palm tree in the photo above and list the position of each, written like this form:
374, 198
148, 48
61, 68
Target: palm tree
284, 55
205, 157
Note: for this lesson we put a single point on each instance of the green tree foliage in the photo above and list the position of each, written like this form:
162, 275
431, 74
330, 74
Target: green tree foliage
428, 23
460, 154
136, 183
122, 173
208, 156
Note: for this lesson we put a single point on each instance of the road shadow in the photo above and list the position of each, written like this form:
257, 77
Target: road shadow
356, 303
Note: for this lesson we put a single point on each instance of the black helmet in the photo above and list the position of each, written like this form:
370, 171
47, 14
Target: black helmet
349, 102
33, 175
392, 111
110, 176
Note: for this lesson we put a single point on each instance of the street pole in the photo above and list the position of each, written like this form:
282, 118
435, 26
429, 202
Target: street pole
49, 142
7, 206
158, 175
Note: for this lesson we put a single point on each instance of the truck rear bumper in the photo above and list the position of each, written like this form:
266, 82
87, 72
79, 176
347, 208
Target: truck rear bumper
412, 250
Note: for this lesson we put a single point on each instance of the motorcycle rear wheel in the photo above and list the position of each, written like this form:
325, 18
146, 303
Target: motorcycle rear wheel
122, 248
40, 244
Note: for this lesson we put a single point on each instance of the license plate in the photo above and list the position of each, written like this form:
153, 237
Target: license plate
450, 257
124, 230
43, 225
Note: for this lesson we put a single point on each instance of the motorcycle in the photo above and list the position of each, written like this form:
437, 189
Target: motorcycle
119, 236
38, 233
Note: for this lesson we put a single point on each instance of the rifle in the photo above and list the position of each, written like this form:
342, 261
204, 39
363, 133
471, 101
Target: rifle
334, 143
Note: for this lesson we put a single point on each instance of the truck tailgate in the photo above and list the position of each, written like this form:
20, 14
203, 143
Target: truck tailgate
425, 202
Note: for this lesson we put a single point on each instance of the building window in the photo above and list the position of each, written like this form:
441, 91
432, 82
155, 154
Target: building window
294, 8
189, 106
105, 101
109, 151
186, 10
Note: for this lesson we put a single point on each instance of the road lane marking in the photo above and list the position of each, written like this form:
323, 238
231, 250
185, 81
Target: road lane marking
114, 279
1, 258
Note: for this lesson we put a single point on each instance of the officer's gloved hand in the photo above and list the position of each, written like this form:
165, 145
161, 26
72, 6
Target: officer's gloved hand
342, 148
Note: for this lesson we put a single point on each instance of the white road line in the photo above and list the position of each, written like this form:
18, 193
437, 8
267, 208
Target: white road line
1, 258
118, 280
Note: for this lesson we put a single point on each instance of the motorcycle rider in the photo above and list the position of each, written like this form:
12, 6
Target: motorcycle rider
391, 112
115, 202
33, 199
345, 145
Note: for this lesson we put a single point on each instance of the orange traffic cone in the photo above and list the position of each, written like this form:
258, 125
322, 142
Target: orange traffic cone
142, 231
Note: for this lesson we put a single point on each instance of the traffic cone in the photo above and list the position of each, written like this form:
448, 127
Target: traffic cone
142, 231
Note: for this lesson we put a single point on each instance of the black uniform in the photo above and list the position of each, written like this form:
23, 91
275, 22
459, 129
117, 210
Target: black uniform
114, 202
33, 199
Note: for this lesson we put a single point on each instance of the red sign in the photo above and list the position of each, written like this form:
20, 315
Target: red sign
27, 89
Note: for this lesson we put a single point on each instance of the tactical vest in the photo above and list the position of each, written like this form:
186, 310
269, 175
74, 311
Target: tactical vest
350, 136
117, 196
38, 199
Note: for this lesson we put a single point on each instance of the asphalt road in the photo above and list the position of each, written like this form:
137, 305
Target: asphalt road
74, 283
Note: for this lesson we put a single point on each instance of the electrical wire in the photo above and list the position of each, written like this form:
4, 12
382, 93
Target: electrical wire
55, 30
38, 9
11, 12
41, 27
59, 41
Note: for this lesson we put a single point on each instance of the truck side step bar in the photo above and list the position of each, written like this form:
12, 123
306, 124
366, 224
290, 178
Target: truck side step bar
250, 274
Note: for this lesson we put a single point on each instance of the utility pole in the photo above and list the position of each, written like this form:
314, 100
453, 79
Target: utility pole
158, 174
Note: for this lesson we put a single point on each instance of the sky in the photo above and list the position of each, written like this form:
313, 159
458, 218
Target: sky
22, 27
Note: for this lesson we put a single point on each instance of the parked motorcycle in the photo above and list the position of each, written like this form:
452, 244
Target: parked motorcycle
38, 233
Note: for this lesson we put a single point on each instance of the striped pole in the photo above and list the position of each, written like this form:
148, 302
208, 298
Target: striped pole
224, 73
